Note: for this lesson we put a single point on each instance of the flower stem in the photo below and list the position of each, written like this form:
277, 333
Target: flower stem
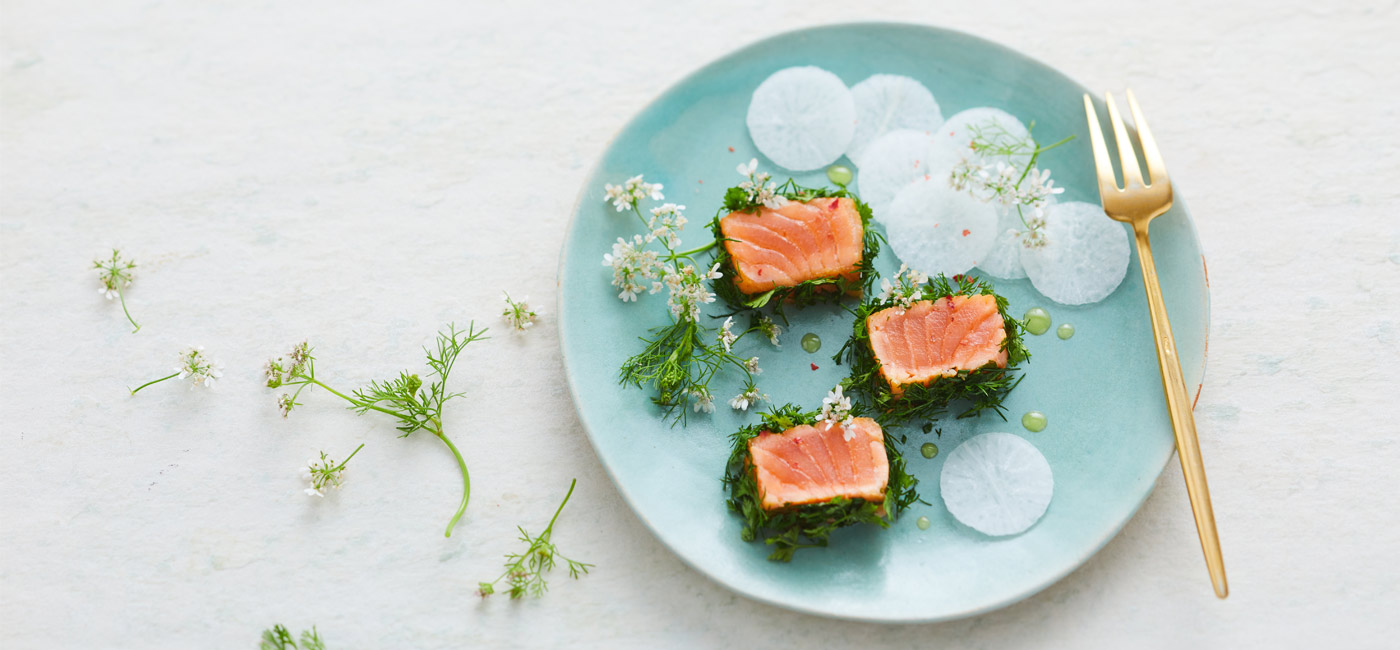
154, 381
466, 481
345, 462
348, 398
122, 297
548, 529
697, 250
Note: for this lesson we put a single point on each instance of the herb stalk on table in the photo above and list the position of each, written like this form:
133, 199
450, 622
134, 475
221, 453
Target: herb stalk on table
416, 405
280, 638
116, 274
525, 572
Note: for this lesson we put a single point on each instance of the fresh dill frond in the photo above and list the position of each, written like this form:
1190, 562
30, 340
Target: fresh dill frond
525, 572
982, 388
810, 292
279, 638
405, 398
807, 526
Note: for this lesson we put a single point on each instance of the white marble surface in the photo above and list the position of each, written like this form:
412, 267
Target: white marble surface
362, 174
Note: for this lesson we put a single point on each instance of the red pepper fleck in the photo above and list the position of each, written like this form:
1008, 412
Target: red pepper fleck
834, 203
731, 150
966, 232
814, 366
957, 277
760, 271
700, 182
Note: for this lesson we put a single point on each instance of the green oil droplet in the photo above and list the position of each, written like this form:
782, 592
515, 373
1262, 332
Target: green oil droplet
1037, 320
929, 450
811, 342
1064, 331
839, 175
1033, 421
922, 523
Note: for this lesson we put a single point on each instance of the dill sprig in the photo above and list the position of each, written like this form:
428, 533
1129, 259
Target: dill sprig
406, 398
982, 388
525, 572
279, 638
807, 526
811, 292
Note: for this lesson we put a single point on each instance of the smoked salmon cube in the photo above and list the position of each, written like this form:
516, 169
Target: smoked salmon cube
810, 464
937, 338
770, 249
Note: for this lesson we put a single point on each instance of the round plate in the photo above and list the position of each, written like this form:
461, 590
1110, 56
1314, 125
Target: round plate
1108, 438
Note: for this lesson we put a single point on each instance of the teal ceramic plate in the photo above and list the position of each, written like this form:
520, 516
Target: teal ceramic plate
1108, 436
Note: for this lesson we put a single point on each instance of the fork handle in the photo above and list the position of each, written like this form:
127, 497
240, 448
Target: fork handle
1179, 408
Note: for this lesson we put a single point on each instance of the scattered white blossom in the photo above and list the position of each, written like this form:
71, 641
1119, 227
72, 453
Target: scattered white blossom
114, 274
836, 409
625, 196
752, 366
704, 401
666, 223
689, 291
744, 400
757, 188
987, 175
324, 473
634, 269
726, 334
198, 368
518, 314
285, 404
907, 287
770, 329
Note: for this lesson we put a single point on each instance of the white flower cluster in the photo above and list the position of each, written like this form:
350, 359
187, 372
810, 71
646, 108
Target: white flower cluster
1010, 185
907, 287
726, 335
625, 196
689, 291
744, 400
633, 268
770, 329
666, 223
114, 274
321, 475
836, 409
757, 187
518, 314
198, 368
704, 401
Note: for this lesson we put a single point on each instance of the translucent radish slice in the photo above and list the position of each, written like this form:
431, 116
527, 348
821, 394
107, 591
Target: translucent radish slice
891, 163
1004, 260
889, 102
1084, 258
953, 139
997, 484
935, 229
802, 118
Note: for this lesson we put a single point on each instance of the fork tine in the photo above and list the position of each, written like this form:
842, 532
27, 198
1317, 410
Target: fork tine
1155, 167
1102, 163
1126, 158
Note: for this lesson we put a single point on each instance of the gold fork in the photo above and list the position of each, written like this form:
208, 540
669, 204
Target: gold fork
1137, 203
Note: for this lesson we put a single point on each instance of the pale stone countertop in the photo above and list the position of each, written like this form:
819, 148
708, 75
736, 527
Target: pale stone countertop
363, 174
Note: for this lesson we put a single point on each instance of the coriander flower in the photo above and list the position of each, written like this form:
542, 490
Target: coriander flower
198, 368
770, 329
324, 473
836, 408
726, 334
666, 223
757, 188
752, 366
744, 400
518, 314
285, 403
632, 267
116, 274
688, 291
906, 288
704, 401
625, 196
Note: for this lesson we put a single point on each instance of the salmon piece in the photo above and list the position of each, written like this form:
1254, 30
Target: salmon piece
822, 238
816, 463
936, 338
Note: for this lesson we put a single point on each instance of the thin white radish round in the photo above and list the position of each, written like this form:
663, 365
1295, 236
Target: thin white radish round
889, 102
802, 118
997, 484
892, 162
1085, 255
936, 229
953, 140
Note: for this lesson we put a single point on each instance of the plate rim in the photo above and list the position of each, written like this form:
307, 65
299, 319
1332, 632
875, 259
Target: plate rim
569, 378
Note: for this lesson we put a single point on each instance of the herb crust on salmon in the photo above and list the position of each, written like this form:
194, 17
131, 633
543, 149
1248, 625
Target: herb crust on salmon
824, 267
977, 364
790, 526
